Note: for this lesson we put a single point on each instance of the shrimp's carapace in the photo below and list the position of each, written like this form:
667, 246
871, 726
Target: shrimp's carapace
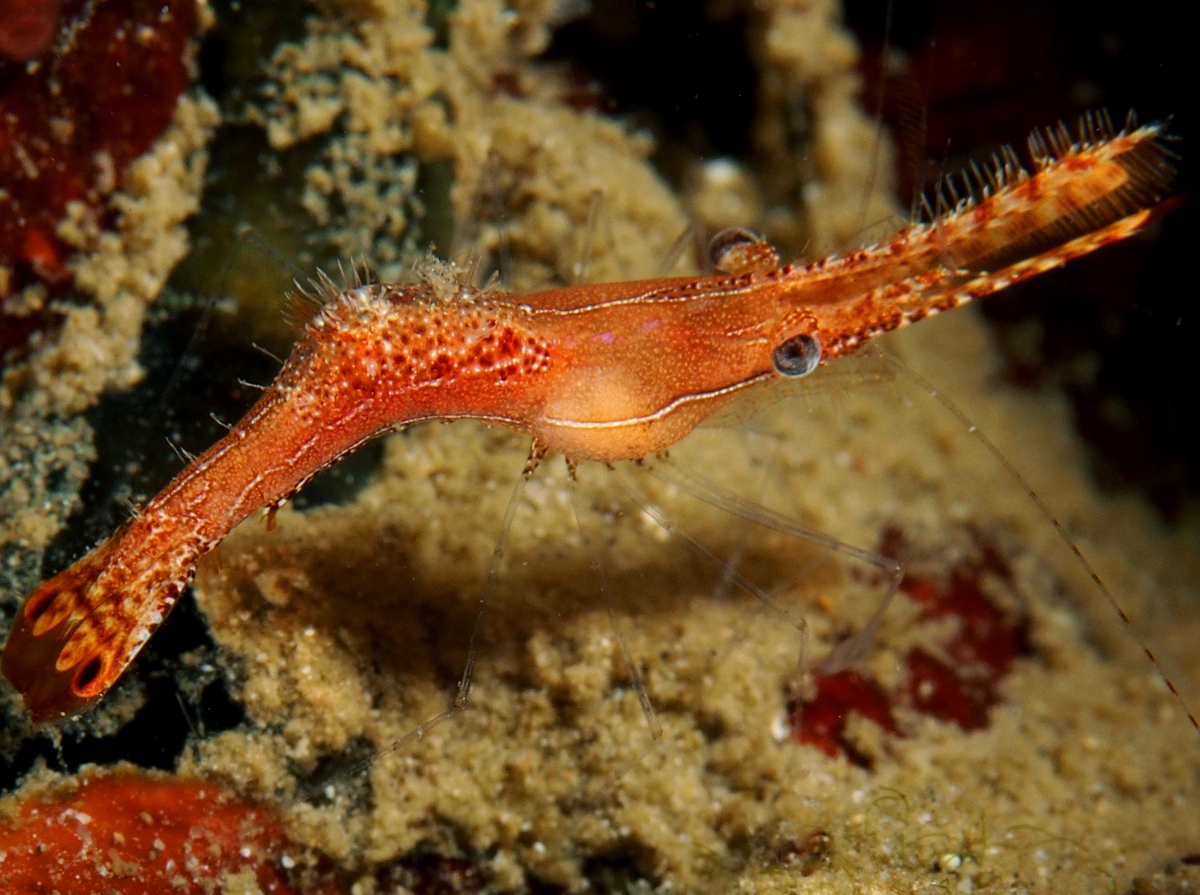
601, 372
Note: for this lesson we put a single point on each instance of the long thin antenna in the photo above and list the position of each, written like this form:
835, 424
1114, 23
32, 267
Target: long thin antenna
643, 502
877, 145
247, 230
1048, 514
582, 267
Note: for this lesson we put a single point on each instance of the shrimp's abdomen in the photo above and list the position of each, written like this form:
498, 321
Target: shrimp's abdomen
374, 358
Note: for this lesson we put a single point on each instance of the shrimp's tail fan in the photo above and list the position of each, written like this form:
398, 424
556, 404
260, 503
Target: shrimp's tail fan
74, 636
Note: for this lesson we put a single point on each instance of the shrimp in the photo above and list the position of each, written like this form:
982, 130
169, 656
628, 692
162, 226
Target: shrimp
601, 372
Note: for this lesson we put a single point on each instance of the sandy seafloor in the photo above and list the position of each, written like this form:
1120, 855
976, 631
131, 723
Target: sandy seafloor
347, 626
351, 623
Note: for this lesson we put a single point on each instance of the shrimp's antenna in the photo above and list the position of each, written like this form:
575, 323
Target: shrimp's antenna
690, 237
877, 145
1048, 514
246, 230
917, 199
622, 641
197, 727
582, 266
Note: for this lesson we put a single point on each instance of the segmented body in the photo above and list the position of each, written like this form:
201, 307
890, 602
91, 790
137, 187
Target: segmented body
602, 372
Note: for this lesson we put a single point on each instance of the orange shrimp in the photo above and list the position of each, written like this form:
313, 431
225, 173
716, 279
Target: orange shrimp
598, 372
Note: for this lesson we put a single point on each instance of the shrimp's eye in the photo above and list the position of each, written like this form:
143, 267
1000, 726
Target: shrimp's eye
798, 356
727, 241
738, 251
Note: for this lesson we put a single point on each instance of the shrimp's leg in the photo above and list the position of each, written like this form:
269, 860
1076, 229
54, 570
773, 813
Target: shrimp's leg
537, 451
844, 654
622, 641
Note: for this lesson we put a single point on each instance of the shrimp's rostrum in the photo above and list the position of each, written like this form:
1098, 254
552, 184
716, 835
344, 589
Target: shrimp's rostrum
598, 372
